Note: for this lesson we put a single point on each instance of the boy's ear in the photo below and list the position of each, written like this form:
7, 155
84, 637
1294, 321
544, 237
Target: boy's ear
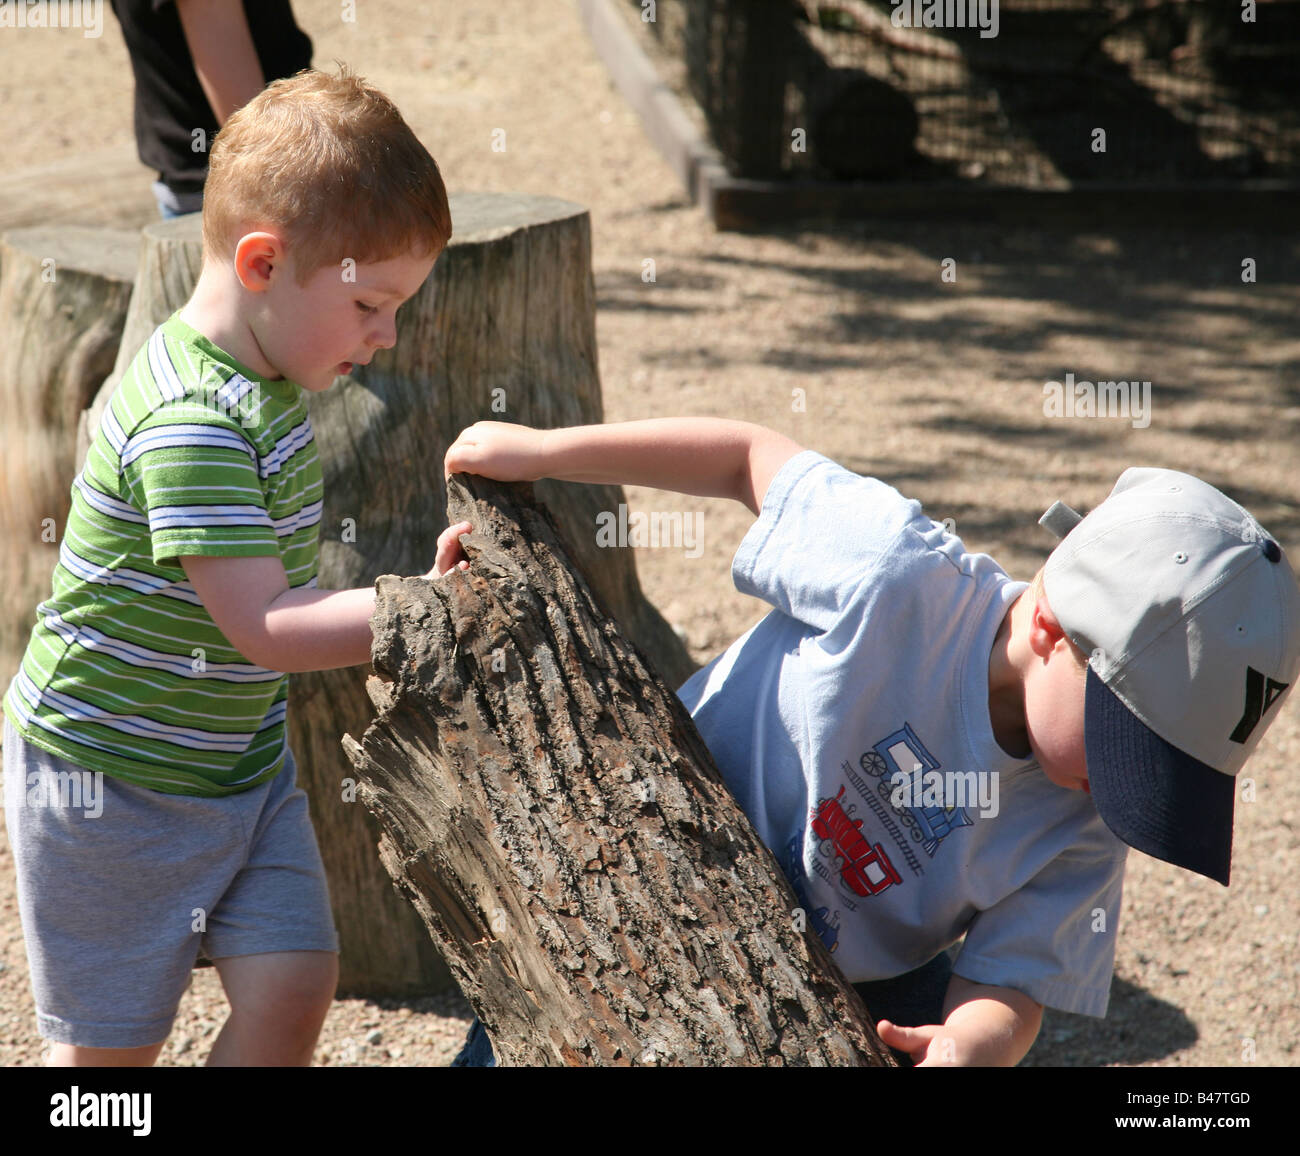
259, 258
1044, 629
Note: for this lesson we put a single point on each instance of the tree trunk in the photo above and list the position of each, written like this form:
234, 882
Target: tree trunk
552, 812
63, 301
504, 330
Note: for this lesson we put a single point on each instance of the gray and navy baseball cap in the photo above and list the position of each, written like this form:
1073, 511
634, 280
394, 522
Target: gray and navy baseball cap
1191, 615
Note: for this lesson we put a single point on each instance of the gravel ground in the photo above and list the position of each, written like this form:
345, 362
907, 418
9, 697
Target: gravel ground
934, 386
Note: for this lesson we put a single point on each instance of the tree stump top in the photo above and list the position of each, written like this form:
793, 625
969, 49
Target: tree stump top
108, 253
476, 218
480, 217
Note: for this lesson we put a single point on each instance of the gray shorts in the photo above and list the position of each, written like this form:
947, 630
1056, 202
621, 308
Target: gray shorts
119, 887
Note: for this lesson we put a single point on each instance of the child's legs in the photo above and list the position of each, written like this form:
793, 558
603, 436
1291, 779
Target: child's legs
476, 1051
278, 1003
113, 904
71, 1056
106, 882
272, 937
172, 204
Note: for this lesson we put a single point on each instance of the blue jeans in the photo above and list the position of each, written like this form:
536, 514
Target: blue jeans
172, 204
912, 999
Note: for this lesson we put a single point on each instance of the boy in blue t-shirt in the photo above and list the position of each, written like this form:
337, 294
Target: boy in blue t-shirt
932, 750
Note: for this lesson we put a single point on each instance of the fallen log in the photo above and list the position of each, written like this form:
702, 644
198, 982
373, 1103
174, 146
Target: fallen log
550, 809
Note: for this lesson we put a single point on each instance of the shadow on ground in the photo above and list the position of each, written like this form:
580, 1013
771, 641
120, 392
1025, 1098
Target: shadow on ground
1138, 1029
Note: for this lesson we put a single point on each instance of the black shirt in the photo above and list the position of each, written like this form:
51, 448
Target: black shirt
169, 101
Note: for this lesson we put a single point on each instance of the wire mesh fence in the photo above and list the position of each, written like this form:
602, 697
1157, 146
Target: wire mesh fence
1028, 93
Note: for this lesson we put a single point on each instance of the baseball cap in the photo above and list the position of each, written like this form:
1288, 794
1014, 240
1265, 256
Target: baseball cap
1190, 613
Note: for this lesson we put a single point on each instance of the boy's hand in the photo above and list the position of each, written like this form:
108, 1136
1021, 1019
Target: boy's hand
930, 1046
983, 1026
497, 449
449, 554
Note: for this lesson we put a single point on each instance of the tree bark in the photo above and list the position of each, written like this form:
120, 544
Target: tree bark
503, 330
63, 301
552, 812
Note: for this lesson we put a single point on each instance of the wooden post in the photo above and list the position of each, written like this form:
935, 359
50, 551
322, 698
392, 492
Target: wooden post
63, 301
552, 812
170, 254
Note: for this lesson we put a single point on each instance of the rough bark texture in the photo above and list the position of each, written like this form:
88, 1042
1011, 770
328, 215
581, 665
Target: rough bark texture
63, 301
552, 812
503, 330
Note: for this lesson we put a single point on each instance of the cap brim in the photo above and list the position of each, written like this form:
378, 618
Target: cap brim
1152, 795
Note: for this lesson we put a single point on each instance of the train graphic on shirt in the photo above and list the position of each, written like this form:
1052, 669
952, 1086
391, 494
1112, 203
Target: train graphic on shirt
903, 753
865, 868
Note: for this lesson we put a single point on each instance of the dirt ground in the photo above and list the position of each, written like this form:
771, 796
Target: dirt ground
934, 386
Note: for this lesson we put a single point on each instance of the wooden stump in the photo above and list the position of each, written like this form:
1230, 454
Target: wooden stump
170, 255
503, 330
554, 815
63, 301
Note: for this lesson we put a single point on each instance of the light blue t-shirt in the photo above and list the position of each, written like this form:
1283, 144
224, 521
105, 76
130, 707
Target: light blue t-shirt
848, 723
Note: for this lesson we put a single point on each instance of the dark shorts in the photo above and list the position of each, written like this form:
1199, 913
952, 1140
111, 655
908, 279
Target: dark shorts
119, 887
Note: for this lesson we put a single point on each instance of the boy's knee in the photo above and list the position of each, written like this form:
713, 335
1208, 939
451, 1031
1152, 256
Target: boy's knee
307, 988
283, 986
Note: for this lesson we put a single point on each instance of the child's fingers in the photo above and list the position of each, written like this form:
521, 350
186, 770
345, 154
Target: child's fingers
443, 567
451, 535
462, 455
914, 1042
904, 1039
449, 552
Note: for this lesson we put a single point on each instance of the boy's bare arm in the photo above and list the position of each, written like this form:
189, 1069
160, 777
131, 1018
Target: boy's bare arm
293, 630
998, 1025
984, 1026
710, 457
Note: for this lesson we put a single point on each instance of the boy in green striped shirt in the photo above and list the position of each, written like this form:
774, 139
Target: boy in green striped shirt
185, 592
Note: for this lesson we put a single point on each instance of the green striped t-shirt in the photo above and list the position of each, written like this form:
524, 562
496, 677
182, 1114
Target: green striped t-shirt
125, 671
